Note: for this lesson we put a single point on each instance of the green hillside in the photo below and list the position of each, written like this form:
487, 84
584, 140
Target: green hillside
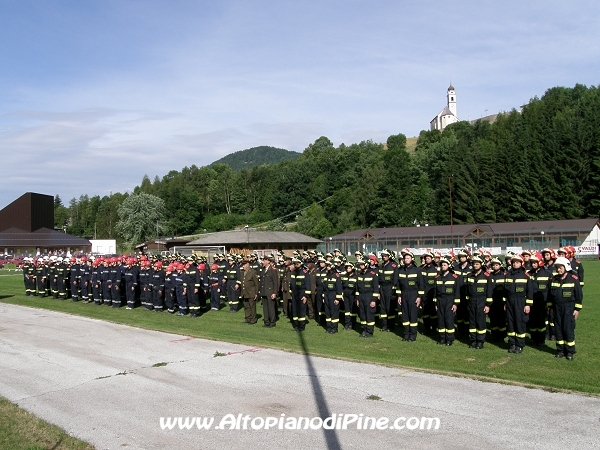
257, 156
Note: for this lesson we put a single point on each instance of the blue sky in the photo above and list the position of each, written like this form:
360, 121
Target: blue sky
95, 94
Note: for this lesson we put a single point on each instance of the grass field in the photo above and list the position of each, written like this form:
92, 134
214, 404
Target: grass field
21, 430
536, 367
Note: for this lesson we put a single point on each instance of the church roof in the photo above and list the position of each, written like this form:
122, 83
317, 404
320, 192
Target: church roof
446, 112
451, 88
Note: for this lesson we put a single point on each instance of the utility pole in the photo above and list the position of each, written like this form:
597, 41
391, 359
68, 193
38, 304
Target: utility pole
451, 221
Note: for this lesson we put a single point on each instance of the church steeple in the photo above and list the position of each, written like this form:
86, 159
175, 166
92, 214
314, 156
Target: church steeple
451, 98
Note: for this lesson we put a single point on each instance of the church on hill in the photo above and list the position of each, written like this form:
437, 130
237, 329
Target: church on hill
448, 114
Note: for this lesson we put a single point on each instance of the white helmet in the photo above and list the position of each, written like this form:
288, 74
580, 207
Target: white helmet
562, 261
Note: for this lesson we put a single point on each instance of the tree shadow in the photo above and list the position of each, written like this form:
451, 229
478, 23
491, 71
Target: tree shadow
331, 436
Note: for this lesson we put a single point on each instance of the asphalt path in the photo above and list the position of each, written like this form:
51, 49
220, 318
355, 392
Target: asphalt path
110, 385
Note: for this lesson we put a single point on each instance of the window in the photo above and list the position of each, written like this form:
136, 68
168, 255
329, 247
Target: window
451, 99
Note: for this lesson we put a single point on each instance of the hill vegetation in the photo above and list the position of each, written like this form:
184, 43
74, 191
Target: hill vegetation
542, 163
257, 156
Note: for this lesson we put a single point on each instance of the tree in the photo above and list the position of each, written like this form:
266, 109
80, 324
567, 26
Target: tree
140, 217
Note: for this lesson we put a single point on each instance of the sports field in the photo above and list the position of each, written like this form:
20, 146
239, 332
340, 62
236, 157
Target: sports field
536, 367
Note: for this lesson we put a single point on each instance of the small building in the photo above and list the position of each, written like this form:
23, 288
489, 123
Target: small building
447, 115
27, 228
248, 240
497, 237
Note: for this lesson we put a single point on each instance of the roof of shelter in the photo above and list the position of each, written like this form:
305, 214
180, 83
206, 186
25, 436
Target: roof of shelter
44, 237
254, 237
494, 229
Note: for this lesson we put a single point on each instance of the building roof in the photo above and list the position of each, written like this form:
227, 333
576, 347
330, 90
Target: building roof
242, 237
43, 237
493, 229
451, 88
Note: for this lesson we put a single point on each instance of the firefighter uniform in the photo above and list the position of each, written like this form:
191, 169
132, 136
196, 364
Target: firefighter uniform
540, 279
367, 293
348, 291
301, 289
565, 297
388, 280
479, 294
519, 294
447, 294
332, 294
497, 314
429, 316
410, 288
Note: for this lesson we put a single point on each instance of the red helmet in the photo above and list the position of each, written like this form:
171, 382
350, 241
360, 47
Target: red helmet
158, 264
73, 259
214, 267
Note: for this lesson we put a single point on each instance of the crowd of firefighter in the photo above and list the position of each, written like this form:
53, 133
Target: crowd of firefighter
473, 296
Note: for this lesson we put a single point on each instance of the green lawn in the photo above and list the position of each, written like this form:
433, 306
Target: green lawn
21, 430
535, 367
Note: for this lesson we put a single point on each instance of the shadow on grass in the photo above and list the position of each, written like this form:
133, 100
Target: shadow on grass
331, 437
6, 296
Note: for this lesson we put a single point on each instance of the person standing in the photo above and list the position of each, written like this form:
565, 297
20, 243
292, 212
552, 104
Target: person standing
332, 296
367, 293
349, 294
479, 296
301, 289
518, 304
269, 286
388, 281
411, 291
540, 279
447, 298
249, 291
565, 299
497, 313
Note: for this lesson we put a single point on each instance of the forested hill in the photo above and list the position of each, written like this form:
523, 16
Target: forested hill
257, 156
542, 163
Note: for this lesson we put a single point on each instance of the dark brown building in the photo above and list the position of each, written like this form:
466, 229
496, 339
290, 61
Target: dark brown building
27, 228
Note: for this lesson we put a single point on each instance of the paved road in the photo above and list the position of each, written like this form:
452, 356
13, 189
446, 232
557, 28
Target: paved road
106, 384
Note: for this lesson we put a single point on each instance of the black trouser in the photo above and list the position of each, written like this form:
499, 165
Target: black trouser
215, 297
146, 296
319, 311
550, 334
350, 308
332, 311
367, 313
115, 295
498, 319
564, 327
130, 295
429, 314
170, 299
387, 307
516, 321
41, 286
106, 293
84, 287
75, 290
537, 320
269, 311
298, 312
233, 295
477, 322
445, 318
181, 299
62, 288
410, 314
97, 293
462, 316
54, 287
157, 297
193, 301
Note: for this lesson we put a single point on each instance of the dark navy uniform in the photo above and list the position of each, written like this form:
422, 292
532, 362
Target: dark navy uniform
332, 294
411, 287
565, 297
447, 294
497, 313
301, 288
367, 292
519, 294
388, 280
348, 292
479, 294
540, 280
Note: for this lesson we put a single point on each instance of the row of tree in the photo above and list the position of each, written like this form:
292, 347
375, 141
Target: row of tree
540, 163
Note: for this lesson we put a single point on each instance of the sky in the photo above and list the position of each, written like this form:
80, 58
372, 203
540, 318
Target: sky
96, 94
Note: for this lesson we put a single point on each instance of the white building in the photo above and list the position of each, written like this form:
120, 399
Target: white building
448, 114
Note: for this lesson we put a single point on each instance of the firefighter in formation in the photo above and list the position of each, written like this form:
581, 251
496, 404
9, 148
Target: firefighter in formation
535, 293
